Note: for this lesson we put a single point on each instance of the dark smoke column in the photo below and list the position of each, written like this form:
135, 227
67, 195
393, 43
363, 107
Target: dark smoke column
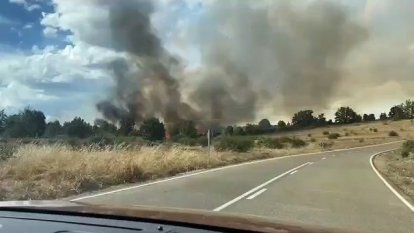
147, 89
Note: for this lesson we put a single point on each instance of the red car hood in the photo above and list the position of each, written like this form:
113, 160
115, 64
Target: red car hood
170, 215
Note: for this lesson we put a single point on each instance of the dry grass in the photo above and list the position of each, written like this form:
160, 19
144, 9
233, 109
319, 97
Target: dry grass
398, 170
49, 172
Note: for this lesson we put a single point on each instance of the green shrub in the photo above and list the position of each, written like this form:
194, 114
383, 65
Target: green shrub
7, 151
309, 135
202, 141
393, 134
237, 144
407, 148
361, 140
100, 141
405, 154
273, 143
346, 134
326, 145
334, 135
313, 140
325, 132
375, 130
297, 142
285, 140
188, 141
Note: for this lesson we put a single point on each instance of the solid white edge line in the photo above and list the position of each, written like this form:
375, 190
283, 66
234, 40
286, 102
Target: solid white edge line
221, 168
371, 161
256, 194
257, 188
294, 172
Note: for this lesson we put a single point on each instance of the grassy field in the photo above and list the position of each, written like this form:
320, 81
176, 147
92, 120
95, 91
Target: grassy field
56, 171
398, 170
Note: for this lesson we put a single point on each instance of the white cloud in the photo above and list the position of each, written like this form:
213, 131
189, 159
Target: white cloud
28, 26
87, 20
26, 5
57, 81
17, 95
50, 32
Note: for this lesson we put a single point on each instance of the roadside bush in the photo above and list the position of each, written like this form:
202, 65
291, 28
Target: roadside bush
286, 140
393, 134
188, 141
407, 148
405, 154
313, 140
202, 141
7, 151
297, 142
375, 130
326, 145
75, 143
346, 134
100, 141
309, 135
325, 132
272, 143
361, 140
237, 144
334, 135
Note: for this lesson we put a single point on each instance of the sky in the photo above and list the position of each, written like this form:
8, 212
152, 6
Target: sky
54, 54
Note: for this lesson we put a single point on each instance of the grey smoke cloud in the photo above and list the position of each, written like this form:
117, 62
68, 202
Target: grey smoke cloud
253, 55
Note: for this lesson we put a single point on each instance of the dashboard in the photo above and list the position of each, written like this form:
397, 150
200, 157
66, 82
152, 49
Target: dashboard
23, 222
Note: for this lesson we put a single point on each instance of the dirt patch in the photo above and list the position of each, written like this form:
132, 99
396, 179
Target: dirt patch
398, 170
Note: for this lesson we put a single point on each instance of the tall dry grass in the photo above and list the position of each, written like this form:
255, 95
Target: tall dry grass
56, 171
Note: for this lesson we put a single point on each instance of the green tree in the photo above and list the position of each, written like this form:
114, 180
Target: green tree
104, 127
368, 117
185, 129
383, 116
77, 128
251, 129
281, 124
152, 129
228, 130
126, 126
396, 113
265, 124
321, 120
53, 129
239, 131
408, 108
3, 120
303, 118
28, 123
346, 115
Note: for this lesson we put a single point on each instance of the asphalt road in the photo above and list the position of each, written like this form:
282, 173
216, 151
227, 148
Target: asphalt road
332, 189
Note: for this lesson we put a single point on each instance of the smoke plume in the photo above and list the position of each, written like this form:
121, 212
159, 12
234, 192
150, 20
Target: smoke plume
253, 56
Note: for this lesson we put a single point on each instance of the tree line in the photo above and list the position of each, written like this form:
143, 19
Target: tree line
32, 123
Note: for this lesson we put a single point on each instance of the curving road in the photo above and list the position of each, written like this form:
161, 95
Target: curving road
332, 189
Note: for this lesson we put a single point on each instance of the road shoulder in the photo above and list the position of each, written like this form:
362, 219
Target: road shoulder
397, 173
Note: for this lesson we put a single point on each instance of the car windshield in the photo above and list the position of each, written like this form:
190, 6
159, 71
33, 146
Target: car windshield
296, 111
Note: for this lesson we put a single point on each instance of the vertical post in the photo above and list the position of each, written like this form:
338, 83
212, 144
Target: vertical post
208, 143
